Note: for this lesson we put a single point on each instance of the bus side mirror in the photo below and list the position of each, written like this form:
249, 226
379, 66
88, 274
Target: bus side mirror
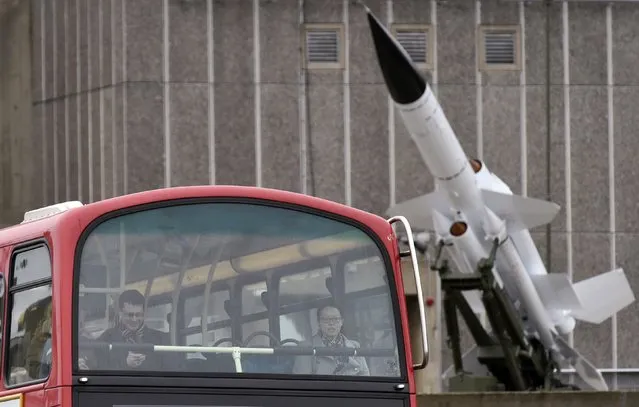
1, 285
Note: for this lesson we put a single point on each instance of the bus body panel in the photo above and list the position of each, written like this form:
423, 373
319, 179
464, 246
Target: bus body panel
62, 233
54, 397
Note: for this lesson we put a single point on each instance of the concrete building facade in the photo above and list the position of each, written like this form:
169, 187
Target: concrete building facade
131, 95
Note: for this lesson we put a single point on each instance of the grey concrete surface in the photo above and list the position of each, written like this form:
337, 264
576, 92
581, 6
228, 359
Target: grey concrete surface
20, 157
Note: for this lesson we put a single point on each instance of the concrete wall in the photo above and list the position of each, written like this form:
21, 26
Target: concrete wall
16, 146
131, 95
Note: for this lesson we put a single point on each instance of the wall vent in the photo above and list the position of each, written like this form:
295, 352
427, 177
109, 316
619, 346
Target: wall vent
416, 40
323, 46
499, 48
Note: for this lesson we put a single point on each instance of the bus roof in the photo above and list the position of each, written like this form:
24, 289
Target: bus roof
47, 219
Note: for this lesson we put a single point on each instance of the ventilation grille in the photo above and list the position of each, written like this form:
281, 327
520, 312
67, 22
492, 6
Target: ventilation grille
414, 42
322, 46
499, 48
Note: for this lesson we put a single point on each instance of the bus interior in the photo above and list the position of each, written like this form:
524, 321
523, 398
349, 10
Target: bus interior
240, 274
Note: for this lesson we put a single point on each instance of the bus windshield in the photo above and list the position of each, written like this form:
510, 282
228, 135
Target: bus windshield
230, 287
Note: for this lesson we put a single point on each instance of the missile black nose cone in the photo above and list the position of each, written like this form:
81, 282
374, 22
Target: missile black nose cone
404, 82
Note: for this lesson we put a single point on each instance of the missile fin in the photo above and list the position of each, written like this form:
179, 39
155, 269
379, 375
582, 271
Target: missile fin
584, 368
602, 296
556, 291
419, 210
520, 212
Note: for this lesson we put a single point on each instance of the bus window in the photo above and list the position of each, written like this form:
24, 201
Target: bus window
29, 353
208, 265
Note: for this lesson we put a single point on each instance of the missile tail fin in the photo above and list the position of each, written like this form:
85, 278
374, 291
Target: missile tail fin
602, 296
419, 210
520, 212
556, 291
584, 368
591, 300
517, 211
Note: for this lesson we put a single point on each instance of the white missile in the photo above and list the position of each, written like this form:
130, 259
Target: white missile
471, 206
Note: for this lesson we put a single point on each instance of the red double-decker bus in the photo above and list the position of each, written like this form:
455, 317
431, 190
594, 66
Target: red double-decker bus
206, 296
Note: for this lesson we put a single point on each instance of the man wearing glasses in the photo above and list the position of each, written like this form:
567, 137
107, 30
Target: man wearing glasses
130, 328
330, 335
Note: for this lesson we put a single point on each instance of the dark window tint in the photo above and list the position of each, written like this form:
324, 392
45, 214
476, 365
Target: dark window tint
29, 351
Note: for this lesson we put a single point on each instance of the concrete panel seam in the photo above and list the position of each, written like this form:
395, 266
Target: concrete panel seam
78, 18
124, 101
258, 92
114, 153
567, 158
347, 108
101, 95
54, 34
611, 177
302, 107
89, 103
211, 88
478, 86
523, 131
67, 161
392, 188
167, 95
44, 116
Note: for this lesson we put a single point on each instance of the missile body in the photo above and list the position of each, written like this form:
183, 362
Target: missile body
428, 126
471, 207
451, 168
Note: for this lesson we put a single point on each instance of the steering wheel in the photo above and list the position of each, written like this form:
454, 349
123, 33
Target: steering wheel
290, 340
222, 340
262, 333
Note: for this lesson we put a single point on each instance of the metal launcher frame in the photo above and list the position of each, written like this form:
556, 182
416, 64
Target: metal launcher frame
516, 363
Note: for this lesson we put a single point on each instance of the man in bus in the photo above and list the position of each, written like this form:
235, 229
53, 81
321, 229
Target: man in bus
329, 318
131, 328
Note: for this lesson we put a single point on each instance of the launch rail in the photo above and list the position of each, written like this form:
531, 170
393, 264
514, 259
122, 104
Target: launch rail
516, 363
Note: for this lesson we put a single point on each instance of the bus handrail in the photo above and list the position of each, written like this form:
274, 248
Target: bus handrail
254, 350
420, 294
237, 351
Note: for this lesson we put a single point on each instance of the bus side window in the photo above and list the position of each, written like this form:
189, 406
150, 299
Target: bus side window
29, 354
3, 294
